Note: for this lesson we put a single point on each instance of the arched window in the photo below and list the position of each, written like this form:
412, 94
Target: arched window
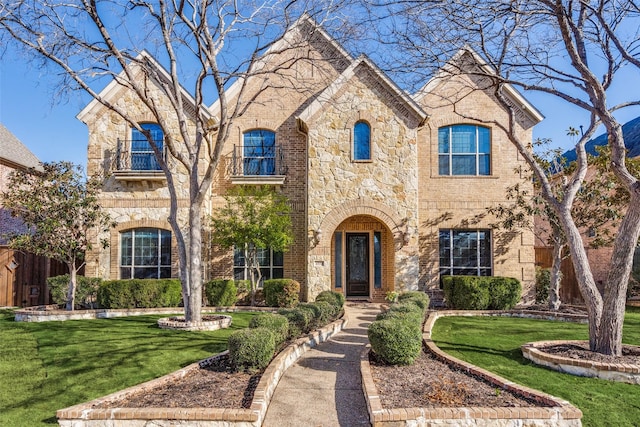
142, 156
145, 253
361, 141
464, 150
259, 156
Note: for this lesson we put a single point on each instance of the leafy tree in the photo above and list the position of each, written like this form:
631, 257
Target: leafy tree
205, 47
575, 51
254, 218
60, 208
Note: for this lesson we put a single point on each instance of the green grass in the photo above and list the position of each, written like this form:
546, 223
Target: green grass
52, 365
494, 343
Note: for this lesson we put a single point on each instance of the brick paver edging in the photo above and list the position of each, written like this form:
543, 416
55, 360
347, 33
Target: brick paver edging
557, 412
86, 415
53, 313
620, 372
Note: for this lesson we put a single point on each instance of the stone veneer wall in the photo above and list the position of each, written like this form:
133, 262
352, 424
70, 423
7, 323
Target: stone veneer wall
385, 188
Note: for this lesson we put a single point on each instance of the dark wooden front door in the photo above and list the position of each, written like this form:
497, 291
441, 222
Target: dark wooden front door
357, 264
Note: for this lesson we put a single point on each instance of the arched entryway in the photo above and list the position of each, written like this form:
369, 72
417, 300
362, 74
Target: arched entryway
362, 258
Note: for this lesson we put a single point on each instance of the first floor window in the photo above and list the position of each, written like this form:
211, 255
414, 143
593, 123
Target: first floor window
465, 252
271, 265
145, 253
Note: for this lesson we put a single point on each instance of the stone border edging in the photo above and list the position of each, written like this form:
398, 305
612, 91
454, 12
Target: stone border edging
205, 325
49, 313
620, 372
560, 412
85, 414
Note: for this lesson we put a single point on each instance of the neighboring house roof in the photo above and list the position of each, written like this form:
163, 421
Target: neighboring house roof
114, 86
451, 69
326, 96
15, 153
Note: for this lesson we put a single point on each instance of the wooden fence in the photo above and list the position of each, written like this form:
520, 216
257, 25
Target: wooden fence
569, 291
23, 278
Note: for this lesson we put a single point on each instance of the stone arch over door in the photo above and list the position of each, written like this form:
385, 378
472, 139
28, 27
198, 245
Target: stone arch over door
375, 223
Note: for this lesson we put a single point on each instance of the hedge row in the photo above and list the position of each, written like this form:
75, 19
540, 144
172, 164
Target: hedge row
396, 335
252, 349
140, 293
221, 292
481, 293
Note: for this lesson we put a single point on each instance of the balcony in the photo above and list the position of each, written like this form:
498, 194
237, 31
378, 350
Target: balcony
135, 161
258, 165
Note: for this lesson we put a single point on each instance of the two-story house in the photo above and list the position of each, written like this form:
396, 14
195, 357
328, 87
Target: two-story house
388, 190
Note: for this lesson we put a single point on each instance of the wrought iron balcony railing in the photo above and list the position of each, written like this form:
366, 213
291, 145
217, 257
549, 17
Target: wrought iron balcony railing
258, 161
133, 156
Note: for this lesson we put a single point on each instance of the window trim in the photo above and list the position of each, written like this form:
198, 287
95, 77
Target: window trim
159, 266
478, 267
355, 139
477, 154
148, 152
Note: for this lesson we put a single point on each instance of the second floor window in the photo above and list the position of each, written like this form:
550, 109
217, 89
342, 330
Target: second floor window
142, 156
361, 141
464, 150
259, 155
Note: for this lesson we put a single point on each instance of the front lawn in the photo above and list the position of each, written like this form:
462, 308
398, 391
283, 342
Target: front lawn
494, 343
52, 365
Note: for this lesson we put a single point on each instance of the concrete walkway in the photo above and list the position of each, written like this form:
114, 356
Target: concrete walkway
323, 388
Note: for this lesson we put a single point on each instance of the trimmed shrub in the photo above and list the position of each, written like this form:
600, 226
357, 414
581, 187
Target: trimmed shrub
251, 350
419, 298
276, 323
413, 317
299, 320
504, 292
314, 313
86, 290
481, 293
328, 312
334, 298
543, 282
221, 292
243, 286
395, 341
281, 292
140, 293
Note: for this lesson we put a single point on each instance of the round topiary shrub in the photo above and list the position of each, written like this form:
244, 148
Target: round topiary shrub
334, 298
221, 292
251, 350
419, 298
395, 341
299, 320
410, 316
276, 323
504, 292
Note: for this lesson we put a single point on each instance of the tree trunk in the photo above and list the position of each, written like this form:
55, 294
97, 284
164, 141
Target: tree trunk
193, 299
556, 277
584, 276
71, 291
615, 292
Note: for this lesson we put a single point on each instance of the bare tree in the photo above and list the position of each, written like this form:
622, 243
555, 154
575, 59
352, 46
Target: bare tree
204, 45
572, 50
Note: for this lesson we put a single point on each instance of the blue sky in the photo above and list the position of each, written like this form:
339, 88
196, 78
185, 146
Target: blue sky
48, 127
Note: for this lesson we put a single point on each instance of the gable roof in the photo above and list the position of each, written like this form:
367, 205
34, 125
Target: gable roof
112, 88
15, 153
326, 95
449, 69
298, 25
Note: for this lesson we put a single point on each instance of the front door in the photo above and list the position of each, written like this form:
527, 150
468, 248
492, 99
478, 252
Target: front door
357, 264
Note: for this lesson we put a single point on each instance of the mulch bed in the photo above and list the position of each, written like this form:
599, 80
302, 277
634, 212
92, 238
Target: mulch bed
580, 351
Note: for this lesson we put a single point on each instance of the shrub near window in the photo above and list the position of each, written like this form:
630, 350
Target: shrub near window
281, 292
416, 297
221, 292
481, 293
86, 290
140, 293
